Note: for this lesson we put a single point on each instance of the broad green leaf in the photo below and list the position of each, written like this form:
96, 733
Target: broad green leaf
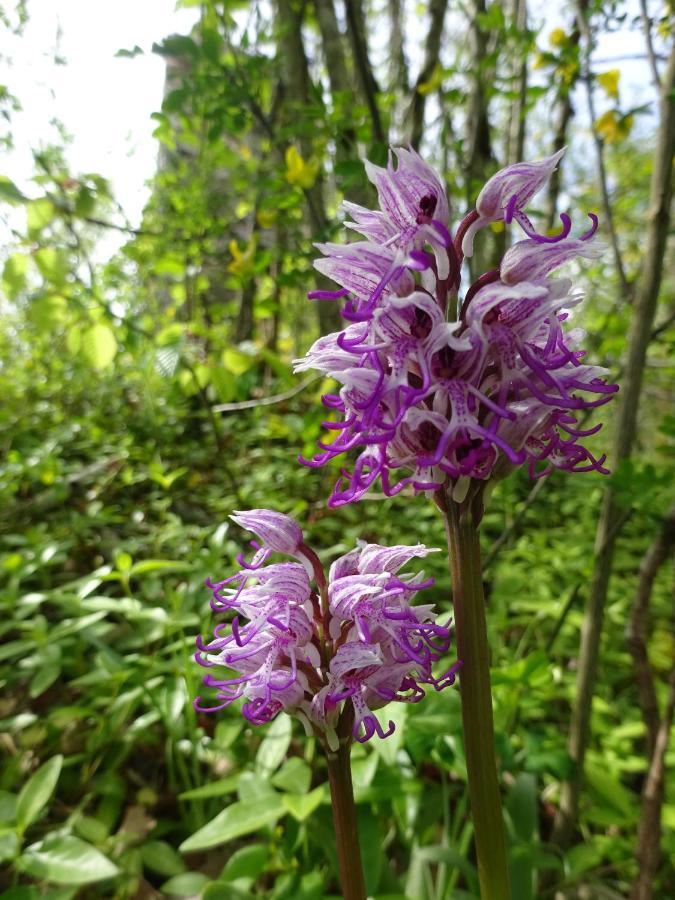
44, 677
216, 789
237, 362
187, 884
295, 776
161, 857
99, 345
301, 806
39, 213
36, 792
9, 192
14, 274
66, 860
273, 749
238, 819
247, 862
9, 842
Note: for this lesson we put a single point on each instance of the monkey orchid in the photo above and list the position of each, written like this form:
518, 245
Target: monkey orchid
447, 394
327, 649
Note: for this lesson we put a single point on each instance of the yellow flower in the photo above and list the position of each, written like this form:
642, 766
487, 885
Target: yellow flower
569, 72
609, 82
540, 61
433, 83
299, 172
266, 217
242, 260
613, 127
557, 37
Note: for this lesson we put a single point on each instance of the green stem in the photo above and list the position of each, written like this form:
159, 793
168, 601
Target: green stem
479, 739
344, 818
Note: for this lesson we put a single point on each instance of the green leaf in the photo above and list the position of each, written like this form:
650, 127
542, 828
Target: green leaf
39, 213
160, 857
10, 192
129, 54
273, 749
44, 677
301, 806
236, 820
247, 862
216, 789
9, 843
187, 884
99, 346
35, 793
14, 274
237, 362
295, 776
437, 853
66, 860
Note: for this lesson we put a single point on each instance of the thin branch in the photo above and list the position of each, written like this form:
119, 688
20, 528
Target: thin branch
364, 69
493, 553
651, 55
636, 630
516, 131
585, 29
432, 46
266, 401
649, 830
565, 112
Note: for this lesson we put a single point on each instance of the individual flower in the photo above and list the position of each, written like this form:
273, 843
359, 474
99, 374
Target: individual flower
347, 643
423, 401
277, 531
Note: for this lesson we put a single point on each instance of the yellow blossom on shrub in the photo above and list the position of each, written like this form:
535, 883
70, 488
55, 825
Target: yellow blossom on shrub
298, 171
242, 260
266, 217
557, 37
613, 127
609, 82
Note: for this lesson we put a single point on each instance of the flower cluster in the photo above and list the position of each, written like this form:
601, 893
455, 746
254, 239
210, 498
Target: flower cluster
500, 386
315, 646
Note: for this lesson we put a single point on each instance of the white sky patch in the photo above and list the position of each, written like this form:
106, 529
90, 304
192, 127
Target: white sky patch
103, 102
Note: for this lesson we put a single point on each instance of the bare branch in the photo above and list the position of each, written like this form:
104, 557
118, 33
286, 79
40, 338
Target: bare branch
651, 55
636, 630
565, 112
649, 830
369, 88
266, 401
516, 133
432, 46
584, 27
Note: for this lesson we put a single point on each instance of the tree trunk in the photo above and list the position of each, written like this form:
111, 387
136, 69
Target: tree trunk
296, 72
356, 29
608, 525
432, 47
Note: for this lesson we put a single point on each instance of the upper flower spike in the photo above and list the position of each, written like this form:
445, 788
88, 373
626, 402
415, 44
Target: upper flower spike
507, 193
428, 402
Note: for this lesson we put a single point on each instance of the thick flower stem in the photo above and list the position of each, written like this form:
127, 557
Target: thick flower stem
473, 650
344, 819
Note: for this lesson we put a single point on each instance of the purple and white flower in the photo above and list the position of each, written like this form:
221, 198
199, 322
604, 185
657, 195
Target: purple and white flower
424, 401
349, 643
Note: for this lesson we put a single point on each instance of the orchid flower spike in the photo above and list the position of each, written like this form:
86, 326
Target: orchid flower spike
423, 402
351, 642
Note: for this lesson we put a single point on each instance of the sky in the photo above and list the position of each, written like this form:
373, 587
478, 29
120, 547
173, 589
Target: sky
105, 102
